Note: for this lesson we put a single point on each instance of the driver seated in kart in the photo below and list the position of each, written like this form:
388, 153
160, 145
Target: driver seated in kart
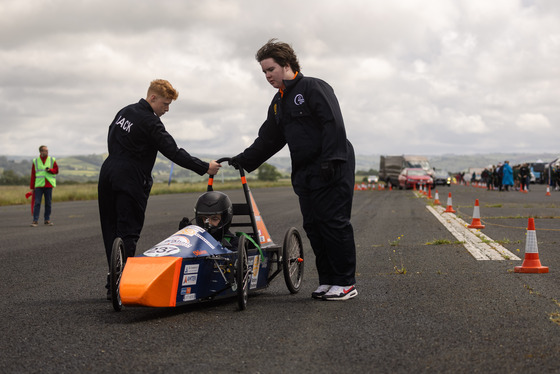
214, 213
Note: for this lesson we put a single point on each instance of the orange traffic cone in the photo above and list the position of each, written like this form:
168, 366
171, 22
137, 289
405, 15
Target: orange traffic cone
449, 205
430, 192
436, 200
547, 191
476, 224
531, 263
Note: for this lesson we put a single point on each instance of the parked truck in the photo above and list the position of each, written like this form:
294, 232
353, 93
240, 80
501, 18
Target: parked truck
391, 166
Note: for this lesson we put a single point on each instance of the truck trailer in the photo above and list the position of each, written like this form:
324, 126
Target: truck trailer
391, 166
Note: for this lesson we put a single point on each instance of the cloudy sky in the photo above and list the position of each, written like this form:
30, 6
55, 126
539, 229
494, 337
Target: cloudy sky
422, 77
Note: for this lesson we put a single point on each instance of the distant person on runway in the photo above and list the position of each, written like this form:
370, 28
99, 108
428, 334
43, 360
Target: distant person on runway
43, 181
507, 176
524, 177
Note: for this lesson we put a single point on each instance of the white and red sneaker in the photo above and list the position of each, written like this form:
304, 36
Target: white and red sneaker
340, 293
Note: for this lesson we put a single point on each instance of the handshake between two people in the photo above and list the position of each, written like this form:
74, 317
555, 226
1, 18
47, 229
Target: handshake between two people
215, 165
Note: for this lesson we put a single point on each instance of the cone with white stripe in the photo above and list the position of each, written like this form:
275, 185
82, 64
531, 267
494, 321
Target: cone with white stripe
436, 200
476, 224
449, 208
531, 263
547, 191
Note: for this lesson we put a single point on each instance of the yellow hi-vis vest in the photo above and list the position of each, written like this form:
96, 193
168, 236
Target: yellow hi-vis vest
41, 173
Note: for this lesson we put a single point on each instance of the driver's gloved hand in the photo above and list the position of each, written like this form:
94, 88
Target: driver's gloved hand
327, 171
184, 223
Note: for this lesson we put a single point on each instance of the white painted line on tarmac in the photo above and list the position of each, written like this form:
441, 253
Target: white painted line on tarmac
480, 246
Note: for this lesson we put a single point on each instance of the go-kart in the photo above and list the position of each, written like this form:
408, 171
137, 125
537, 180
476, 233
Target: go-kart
190, 266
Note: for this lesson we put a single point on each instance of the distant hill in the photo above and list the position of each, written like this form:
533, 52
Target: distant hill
72, 169
458, 163
85, 168
455, 163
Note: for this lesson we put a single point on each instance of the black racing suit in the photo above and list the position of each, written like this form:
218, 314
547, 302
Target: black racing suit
135, 136
307, 117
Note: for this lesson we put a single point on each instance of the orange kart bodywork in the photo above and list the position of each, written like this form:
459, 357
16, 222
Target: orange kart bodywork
150, 281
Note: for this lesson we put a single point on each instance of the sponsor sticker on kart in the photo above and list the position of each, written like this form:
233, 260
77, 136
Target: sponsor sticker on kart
190, 269
191, 230
162, 250
189, 279
185, 290
178, 240
187, 295
255, 261
197, 232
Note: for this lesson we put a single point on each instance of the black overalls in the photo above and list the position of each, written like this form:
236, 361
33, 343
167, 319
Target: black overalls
307, 117
135, 136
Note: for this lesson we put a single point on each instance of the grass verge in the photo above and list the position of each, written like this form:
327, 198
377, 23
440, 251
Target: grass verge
15, 195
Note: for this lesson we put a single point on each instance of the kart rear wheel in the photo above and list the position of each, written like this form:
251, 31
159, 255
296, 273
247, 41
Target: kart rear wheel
242, 273
118, 261
292, 260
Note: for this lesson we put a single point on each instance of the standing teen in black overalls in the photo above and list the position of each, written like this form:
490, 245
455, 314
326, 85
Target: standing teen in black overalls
135, 137
305, 114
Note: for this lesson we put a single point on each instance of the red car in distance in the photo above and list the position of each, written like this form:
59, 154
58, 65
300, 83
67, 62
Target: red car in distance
414, 176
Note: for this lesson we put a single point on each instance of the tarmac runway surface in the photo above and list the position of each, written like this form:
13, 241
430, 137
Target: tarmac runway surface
425, 303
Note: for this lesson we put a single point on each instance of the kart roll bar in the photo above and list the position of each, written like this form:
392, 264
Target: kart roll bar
240, 209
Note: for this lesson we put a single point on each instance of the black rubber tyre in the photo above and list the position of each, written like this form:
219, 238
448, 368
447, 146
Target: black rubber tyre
118, 261
242, 275
292, 260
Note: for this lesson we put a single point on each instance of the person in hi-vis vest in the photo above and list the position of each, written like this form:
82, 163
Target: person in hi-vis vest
43, 180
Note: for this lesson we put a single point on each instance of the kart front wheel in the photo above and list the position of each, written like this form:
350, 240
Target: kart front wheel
242, 277
292, 260
117, 266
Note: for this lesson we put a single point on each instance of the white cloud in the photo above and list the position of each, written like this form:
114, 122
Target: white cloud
461, 123
411, 77
374, 69
532, 122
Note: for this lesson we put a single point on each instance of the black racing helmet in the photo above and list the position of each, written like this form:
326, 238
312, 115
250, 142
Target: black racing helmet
214, 203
